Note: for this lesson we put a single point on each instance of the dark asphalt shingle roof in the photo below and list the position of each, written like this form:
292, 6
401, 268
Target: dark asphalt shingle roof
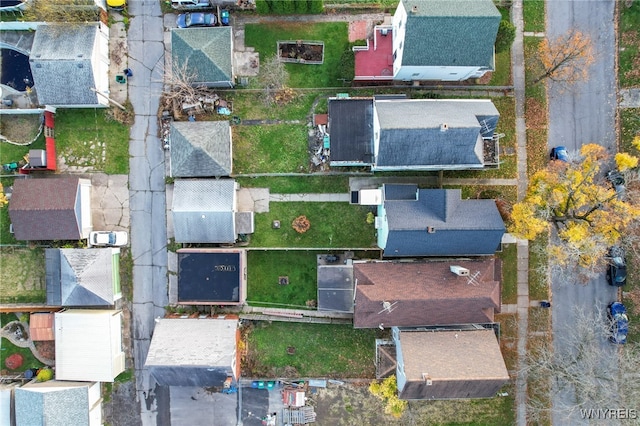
351, 130
411, 132
206, 52
200, 149
44, 209
450, 32
61, 64
459, 227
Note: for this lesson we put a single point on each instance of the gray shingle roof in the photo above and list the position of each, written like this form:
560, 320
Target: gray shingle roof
200, 149
61, 64
459, 227
204, 211
450, 32
45, 209
80, 277
412, 135
57, 407
207, 52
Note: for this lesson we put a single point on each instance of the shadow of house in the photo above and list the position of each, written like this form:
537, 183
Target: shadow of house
420, 134
416, 294
448, 364
204, 56
70, 65
200, 149
81, 277
436, 222
89, 345
58, 403
194, 352
51, 209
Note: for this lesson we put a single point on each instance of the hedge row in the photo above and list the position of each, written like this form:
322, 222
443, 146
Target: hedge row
289, 7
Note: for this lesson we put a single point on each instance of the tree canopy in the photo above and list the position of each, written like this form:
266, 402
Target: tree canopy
567, 58
580, 204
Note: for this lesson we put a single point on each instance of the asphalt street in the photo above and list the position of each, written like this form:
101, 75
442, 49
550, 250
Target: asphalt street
580, 114
147, 195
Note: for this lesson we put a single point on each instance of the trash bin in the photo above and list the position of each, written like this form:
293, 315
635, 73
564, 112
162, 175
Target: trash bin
121, 79
128, 72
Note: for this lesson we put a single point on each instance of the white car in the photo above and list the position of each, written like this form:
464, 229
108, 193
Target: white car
108, 238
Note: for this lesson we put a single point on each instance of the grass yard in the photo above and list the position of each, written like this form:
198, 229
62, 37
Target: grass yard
629, 54
336, 66
502, 74
87, 138
298, 184
7, 348
249, 105
533, 69
629, 128
508, 193
509, 259
265, 267
22, 275
321, 350
280, 148
338, 225
5, 236
533, 14
538, 286
535, 110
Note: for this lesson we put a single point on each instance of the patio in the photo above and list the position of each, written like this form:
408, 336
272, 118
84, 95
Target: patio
375, 61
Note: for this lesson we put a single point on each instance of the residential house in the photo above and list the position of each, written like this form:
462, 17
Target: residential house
448, 364
7, 404
433, 40
437, 292
204, 56
200, 149
82, 277
58, 403
51, 209
436, 222
194, 351
205, 211
89, 345
419, 134
70, 65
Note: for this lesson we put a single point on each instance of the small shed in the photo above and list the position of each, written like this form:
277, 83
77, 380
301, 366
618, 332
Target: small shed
335, 283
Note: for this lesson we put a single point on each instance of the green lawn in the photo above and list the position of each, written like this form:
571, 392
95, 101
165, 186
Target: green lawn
533, 69
533, 13
538, 286
336, 66
338, 225
321, 350
502, 74
265, 267
629, 128
280, 148
7, 348
87, 138
249, 105
629, 54
5, 236
298, 184
22, 275
508, 255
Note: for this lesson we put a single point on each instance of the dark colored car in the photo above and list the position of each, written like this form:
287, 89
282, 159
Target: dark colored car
224, 17
617, 314
617, 270
559, 153
196, 19
617, 182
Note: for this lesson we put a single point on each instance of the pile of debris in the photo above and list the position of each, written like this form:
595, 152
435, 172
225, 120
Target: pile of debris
319, 147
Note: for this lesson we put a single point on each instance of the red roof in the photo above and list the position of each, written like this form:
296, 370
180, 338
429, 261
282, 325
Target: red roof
376, 63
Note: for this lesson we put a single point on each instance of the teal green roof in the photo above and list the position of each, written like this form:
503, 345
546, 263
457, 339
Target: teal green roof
207, 52
450, 32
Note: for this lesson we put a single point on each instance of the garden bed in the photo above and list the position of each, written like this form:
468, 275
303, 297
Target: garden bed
301, 52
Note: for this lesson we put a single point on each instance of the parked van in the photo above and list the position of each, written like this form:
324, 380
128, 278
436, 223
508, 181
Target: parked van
190, 4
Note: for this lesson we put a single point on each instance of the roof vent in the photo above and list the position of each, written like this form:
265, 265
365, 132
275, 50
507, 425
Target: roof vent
431, 229
459, 270
444, 127
427, 379
414, 9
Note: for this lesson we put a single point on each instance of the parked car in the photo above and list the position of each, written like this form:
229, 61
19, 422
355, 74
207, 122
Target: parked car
617, 270
559, 153
197, 19
617, 182
118, 5
224, 17
190, 4
617, 314
108, 238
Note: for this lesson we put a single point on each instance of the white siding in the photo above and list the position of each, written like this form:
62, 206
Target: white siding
416, 73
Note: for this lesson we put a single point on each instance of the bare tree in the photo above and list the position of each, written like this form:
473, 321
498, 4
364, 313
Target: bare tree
273, 79
179, 82
567, 58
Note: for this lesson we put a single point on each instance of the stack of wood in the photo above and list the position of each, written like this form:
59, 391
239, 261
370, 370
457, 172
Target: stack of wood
299, 416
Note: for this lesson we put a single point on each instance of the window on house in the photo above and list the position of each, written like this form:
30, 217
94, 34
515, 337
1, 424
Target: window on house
415, 74
395, 55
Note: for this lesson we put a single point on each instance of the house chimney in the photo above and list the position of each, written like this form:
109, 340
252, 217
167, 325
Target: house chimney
459, 270
414, 9
431, 229
444, 127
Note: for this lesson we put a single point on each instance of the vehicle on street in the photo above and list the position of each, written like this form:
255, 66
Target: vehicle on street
108, 238
197, 19
559, 153
617, 182
617, 269
224, 17
619, 321
190, 4
118, 5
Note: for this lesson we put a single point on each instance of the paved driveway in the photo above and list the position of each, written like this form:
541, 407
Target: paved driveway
582, 114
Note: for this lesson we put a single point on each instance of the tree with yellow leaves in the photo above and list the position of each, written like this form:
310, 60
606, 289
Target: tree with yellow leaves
3, 197
580, 205
567, 58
